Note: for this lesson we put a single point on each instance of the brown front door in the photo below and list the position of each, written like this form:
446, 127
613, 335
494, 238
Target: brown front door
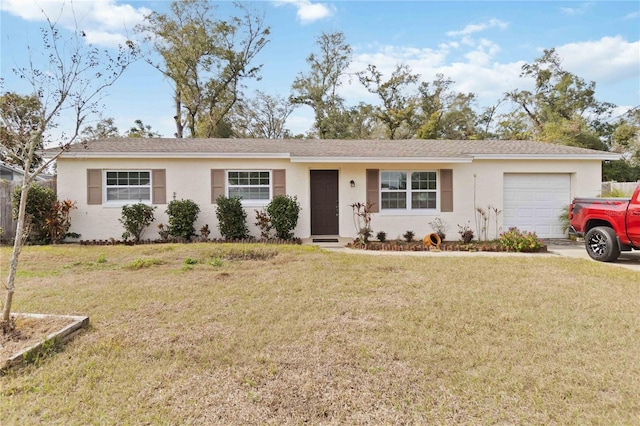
324, 202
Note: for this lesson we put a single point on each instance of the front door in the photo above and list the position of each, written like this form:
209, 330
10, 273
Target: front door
324, 202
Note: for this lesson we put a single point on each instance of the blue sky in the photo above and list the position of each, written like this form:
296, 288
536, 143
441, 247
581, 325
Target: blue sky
481, 45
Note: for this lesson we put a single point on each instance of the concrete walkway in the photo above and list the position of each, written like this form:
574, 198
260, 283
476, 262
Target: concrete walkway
564, 248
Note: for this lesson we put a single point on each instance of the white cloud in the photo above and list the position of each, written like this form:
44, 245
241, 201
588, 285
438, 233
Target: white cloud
573, 11
606, 60
632, 15
307, 11
475, 28
104, 22
477, 72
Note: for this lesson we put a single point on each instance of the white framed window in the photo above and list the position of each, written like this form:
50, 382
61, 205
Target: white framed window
249, 185
127, 186
408, 190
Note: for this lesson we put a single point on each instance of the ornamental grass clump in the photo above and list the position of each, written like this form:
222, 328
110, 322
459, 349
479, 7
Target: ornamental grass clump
517, 240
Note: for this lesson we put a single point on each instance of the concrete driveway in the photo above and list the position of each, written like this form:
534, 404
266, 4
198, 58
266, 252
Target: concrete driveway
627, 259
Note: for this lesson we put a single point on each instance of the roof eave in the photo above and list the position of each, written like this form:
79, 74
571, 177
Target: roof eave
602, 157
310, 159
173, 155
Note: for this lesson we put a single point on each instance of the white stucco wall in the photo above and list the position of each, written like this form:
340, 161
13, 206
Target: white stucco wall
191, 179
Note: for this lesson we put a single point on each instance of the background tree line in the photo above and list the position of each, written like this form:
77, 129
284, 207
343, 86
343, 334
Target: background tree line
208, 60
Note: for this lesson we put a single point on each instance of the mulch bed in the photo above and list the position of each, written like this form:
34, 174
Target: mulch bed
491, 246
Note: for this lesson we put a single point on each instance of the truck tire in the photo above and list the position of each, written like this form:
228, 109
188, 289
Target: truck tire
602, 244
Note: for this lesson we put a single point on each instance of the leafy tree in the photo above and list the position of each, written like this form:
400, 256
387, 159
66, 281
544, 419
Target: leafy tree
318, 88
562, 105
447, 114
362, 122
105, 128
206, 59
263, 116
18, 117
513, 126
72, 81
398, 104
140, 130
625, 139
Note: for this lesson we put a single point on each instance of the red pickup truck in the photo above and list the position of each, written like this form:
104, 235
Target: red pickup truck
608, 225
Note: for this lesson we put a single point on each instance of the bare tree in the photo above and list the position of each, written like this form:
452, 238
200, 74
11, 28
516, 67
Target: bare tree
69, 85
263, 116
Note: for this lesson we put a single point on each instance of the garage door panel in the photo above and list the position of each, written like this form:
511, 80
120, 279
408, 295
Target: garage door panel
533, 202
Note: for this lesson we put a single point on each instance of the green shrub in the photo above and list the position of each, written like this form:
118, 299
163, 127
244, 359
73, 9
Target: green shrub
408, 236
182, 216
381, 236
232, 219
135, 219
39, 202
516, 240
283, 212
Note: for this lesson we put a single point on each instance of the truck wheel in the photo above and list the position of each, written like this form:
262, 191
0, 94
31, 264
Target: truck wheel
601, 244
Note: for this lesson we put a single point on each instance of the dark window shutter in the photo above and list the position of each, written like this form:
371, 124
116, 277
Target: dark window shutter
94, 186
279, 182
218, 178
373, 189
159, 190
446, 190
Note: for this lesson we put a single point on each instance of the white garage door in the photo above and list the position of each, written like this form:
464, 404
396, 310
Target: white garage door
533, 202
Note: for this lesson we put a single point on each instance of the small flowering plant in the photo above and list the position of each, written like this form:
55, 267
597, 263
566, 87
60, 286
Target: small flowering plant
517, 240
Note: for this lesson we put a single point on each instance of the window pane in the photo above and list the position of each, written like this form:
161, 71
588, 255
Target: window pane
393, 180
423, 200
394, 200
128, 186
249, 185
250, 193
145, 178
423, 180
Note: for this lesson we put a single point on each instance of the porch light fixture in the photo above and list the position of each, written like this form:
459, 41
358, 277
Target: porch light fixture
352, 183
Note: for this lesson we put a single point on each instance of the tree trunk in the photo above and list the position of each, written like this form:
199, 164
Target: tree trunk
15, 255
178, 117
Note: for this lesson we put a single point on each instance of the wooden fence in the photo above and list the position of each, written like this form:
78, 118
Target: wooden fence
7, 224
624, 188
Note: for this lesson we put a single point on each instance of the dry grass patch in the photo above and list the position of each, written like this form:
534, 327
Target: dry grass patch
288, 335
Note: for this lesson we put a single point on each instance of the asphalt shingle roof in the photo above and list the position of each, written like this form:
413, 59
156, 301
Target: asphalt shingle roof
326, 148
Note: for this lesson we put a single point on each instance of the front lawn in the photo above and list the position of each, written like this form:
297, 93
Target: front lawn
258, 334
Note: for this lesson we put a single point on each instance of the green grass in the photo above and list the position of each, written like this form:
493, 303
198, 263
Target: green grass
261, 335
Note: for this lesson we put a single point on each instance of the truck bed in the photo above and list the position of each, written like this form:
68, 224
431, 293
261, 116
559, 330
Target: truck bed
612, 201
